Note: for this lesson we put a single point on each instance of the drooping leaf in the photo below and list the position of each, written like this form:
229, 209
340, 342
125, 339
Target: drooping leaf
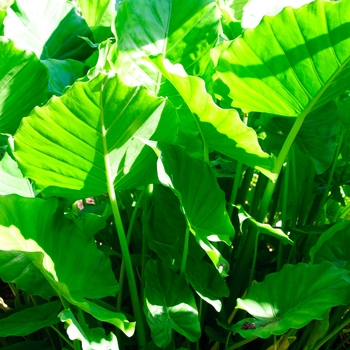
319, 330
222, 129
22, 78
309, 292
183, 31
201, 198
70, 146
12, 181
91, 339
66, 257
169, 305
317, 137
333, 246
263, 228
206, 281
63, 73
165, 228
287, 65
55, 36
30, 320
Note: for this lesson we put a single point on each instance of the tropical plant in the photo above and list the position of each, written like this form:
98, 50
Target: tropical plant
173, 179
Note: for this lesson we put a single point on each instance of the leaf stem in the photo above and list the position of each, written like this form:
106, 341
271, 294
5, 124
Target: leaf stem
63, 337
185, 252
241, 343
120, 230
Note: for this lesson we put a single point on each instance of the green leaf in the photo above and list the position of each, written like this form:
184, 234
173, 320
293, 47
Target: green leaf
93, 10
55, 36
70, 146
287, 65
183, 31
333, 246
263, 228
221, 129
68, 258
317, 137
309, 292
91, 339
206, 281
169, 305
30, 320
319, 330
165, 228
63, 73
201, 198
12, 181
22, 78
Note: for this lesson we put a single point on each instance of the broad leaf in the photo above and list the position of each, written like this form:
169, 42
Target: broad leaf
206, 281
73, 144
169, 305
55, 36
165, 228
183, 31
221, 129
309, 292
201, 198
333, 246
68, 259
287, 65
12, 181
22, 78
91, 339
263, 228
63, 73
30, 320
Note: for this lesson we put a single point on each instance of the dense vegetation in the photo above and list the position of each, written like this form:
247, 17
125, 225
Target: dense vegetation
169, 179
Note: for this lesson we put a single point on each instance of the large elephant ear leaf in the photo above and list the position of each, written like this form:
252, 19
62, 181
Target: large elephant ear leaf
56, 36
203, 205
22, 78
303, 67
67, 258
310, 291
72, 145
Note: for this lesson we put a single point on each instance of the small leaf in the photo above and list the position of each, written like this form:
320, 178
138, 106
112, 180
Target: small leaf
169, 305
30, 320
263, 228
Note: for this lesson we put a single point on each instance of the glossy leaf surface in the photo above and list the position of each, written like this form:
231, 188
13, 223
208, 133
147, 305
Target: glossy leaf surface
169, 305
305, 66
68, 259
72, 144
54, 36
309, 292
22, 78
30, 320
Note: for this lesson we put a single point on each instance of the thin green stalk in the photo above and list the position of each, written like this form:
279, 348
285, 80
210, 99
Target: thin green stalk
241, 343
121, 234
236, 183
185, 252
255, 255
331, 334
63, 337
340, 346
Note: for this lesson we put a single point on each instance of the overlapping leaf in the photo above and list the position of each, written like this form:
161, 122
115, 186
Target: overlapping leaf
304, 67
201, 198
71, 145
222, 129
309, 293
67, 258
55, 36
23, 85
169, 305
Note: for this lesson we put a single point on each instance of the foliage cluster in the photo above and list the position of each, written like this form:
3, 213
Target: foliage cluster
170, 180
